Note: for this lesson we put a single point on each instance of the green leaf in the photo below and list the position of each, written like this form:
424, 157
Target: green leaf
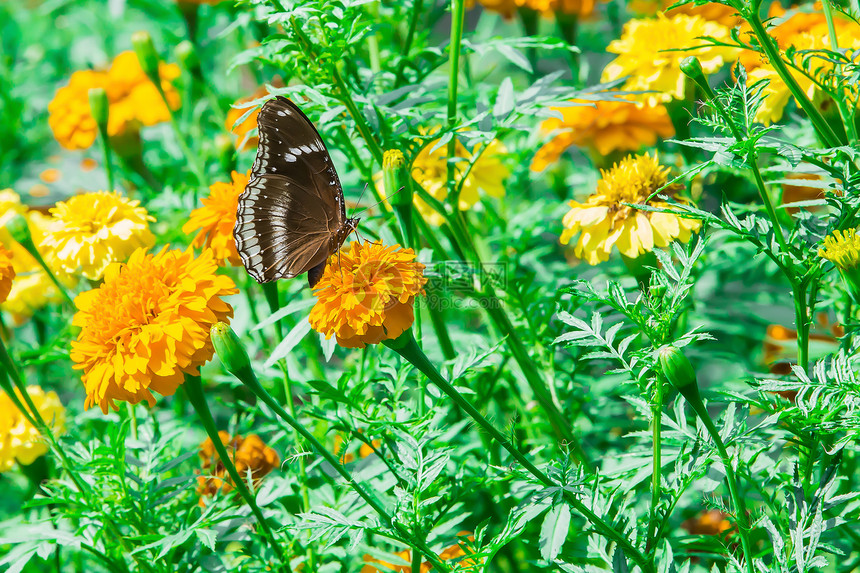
553, 531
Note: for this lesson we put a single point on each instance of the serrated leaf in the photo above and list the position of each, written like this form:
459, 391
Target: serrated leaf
553, 531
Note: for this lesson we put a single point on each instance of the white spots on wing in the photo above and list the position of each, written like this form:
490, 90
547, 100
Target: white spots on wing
305, 148
290, 157
282, 113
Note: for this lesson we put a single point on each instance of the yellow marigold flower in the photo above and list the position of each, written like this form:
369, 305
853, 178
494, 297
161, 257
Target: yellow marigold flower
250, 123
487, 175
247, 454
134, 100
32, 289
604, 127
217, 217
804, 31
21, 441
7, 273
842, 248
648, 54
148, 325
366, 294
90, 231
603, 221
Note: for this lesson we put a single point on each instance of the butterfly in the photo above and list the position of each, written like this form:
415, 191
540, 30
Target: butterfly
291, 216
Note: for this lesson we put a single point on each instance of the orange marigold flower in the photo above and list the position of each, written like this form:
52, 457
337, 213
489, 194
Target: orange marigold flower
21, 441
247, 454
604, 126
448, 554
348, 457
7, 273
366, 294
250, 122
134, 100
508, 8
711, 522
92, 230
148, 325
217, 217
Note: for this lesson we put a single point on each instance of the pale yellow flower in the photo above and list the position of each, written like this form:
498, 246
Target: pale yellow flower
603, 221
21, 441
90, 231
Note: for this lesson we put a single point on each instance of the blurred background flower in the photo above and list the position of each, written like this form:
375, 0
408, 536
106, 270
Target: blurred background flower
21, 441
134, 101
249, 455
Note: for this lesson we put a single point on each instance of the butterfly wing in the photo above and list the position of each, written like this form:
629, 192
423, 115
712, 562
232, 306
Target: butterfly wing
293, 203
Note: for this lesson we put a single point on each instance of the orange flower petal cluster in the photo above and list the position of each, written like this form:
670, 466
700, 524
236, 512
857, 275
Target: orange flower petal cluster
348, 457
366, 294
453, 552
134, 100
21, 441
247, 454
240, 131
7, 273
711, 522
508, 8
148, 325
603, 126
215, 220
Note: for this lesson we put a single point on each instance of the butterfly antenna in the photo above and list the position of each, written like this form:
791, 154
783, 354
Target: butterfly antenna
382, 201
360, 197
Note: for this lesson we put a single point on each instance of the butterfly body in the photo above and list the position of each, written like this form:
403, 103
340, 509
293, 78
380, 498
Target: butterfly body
291, 216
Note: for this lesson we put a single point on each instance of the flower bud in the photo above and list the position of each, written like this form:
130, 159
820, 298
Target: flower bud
677, 369
692, 68
100, 109
396, 178
229, 349
187, 58
145, 51
20, 230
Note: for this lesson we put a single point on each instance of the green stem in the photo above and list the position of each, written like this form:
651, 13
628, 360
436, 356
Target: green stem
194, 389
771, 50
104, 141
741, 517
303, 473
30, 247
844, 113
407, 44
657, 466
373, 46
457, 17
360, 123
768, 204
248, 378
409, 349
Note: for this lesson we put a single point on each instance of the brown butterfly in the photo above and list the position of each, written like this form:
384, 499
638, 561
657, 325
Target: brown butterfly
291, 216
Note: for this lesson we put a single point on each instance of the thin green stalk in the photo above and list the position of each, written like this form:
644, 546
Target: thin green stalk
303, 473
236, 360
194, 389
108, 156
21, 232
731, 481
360, 122
408, 349
373, 46
844, 112
407, 44
457, 17
768, 203
657, 466
771, 50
